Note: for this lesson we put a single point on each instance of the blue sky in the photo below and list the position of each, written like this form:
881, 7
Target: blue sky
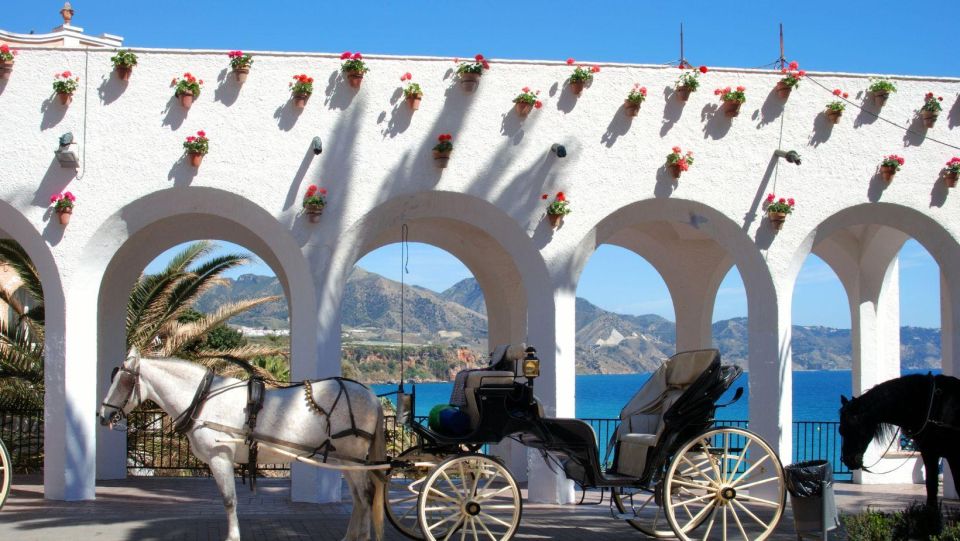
854, 36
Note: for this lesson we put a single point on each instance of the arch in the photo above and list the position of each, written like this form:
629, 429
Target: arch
126, 242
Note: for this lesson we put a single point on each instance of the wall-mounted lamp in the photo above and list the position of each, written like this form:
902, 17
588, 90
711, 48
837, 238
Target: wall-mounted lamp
317, 145
559, 150
67, 157
792, 156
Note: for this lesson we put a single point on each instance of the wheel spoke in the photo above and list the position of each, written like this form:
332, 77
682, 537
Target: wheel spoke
758, 501
495, 494
690, 484
473, 525
755, 483
713, 466
495, 519
453, 530
749, 513
431, 527
700, 515
698, 469
693, 500
724, 523
706, 535
452, 486
746, 474
726, 453
736, 518
743, 453
486, 530
437, 494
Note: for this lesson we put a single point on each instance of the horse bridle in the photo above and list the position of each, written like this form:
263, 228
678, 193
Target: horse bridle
119, 416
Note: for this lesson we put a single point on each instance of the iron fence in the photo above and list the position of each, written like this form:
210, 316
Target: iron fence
153, 449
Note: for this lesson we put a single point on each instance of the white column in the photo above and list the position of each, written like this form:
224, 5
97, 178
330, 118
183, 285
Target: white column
948, 360
771, 377
552, 331
111, 348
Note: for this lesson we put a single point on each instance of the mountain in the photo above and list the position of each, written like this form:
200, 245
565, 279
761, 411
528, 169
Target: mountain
606, 342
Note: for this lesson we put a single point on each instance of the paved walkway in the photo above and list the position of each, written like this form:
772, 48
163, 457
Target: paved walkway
190, 509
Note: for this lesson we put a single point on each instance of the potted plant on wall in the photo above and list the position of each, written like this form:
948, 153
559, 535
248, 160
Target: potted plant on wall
777, 210
556, 210
240, 63
889, 166
635, 97
63, 205
187, 89
689, 82
65, 84
123, 63
881, 89
732, 99
931, 109
314, 201
301, 88
581, 76
951, 172
412, 92
354, 68
442, 150
197, 147
836, 107
678, 162
791, 79
469, 72
526, 101
6, 61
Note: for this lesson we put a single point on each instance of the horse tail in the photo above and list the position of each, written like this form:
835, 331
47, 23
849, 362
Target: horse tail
378, 453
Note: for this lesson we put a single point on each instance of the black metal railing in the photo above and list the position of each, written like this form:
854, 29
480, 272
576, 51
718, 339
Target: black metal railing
153, 449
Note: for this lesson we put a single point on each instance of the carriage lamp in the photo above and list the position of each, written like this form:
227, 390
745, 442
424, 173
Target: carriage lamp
559, 150
792, 156
316, 145
531, 364
68, 158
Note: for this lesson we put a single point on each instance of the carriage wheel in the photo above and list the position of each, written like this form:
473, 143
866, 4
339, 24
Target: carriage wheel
472, 494
403, 490
650, 518
6, 473
735, 490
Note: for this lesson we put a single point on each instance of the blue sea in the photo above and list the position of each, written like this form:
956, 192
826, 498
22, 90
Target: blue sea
816, 394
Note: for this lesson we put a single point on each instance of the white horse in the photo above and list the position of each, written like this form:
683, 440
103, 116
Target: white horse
316, 416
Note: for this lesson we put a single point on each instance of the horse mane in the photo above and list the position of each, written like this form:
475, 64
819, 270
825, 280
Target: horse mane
871, 405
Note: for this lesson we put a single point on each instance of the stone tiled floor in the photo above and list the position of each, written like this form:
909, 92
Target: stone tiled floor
190, 509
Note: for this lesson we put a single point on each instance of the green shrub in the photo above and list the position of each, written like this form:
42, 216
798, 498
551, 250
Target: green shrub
869, 526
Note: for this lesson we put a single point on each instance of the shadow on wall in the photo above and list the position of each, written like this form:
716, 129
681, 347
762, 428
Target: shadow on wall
672, 110
339, 94
524, 189
939, 191
111, 88
822, 129
512, 126
174, 114
3, 85
52, 231
53, 112
287, 115
543, 232
400, 116
868, 110
877, 186
567, 100
297, 182
666, 184
54, 181
619, 126
228, 89
717, 124
765, 234
953, 116
758, 197
771, 109
182, 173
917, 132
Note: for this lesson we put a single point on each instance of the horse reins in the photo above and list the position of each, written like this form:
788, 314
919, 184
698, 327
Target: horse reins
118, 413
911, 435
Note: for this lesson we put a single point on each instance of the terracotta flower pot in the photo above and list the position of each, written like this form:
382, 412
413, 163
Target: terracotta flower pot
413, 101
469, 81
64, 215
631, 108
313, 212
731, 108
777, 219
880, 98
523, 108
65, 98
123, 72
186, 99
950, 179
300, 100
556, 220
441, 158
887, 172
834, 116
783, 90
577, 87
355, 78
6, 68
241, 74
196, 159
929, 118
675, 170
683, 93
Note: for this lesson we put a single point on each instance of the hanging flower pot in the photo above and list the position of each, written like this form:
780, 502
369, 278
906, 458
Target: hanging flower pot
64, 216
526, 101
952, 172
792, 74
950, 179
835, 108
196, 159
783, 90
577, 87
412, 93
123, 63
64, 85
777, 210
523, 109
6, 61
556, 220
314, 201
66, 98
300, 100
123, 72
834, 116
6, 68
442, 150
631, 105
688, 82
889, 166
887, 172
630, 108
414, 101
187, 89
186, 99
469, 72
240, 63
732, 99
556, 210
777, 219
881, 89
880, 98
301, 88
931, 109
355, 78
683, 93
354, 68
197, 147
731, 108
677, 162
581, 76
929, 118
63, 205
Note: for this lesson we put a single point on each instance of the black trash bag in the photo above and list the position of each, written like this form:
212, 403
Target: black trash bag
804, 478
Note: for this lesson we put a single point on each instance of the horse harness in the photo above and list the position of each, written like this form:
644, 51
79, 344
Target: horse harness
934, 414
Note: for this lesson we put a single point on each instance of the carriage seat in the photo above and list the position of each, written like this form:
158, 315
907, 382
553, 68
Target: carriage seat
641, 420
500, 372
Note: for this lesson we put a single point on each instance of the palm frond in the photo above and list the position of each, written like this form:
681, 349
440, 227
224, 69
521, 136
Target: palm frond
179, 335
182, 261
204, 276
147, 308
224, 367
16, 257
243, 353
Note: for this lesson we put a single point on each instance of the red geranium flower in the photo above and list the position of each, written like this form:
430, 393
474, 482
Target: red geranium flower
791, 202
202, 133
801, 73
741, 88
357, 56
770, 198
836, 91
544, 196
794, 65
595, 69
538, 104
570, 62
323, 191
561, 197
311, 189
486, 65
525, 89
703, 69
478, 58
676, 150
345, 55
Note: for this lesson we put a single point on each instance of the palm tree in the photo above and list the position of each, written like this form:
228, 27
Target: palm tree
21, 340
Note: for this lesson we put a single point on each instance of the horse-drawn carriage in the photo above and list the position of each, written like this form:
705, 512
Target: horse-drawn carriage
672, 475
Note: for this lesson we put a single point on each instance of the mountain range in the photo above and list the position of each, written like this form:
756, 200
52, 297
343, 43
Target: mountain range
606, 342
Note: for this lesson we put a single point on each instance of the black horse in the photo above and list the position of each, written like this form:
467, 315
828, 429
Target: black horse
925, 407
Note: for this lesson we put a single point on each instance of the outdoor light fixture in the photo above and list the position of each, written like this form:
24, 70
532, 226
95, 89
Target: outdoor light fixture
792, 156
559, 150
531, 364
67, 157
317, 145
